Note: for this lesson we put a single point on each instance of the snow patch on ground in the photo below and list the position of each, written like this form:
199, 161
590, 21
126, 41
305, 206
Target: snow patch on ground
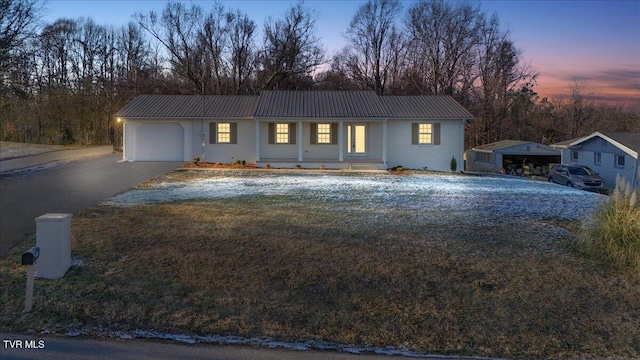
12, 149
462, 196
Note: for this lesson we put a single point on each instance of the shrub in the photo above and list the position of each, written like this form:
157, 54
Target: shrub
454, 164
196, 160
614, 232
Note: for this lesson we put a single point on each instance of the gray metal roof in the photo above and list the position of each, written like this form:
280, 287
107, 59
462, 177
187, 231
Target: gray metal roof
319, 104
628, 139
424, 107
295, 104
503, 144
190, 106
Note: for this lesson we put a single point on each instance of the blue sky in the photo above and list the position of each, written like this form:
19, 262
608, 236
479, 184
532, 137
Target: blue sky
594, 41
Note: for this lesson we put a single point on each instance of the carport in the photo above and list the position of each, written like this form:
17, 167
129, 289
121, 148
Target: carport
512, 157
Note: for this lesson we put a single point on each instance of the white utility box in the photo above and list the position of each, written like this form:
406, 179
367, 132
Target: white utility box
53, 237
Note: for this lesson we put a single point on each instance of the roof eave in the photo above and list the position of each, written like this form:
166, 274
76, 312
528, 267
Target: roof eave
615, 143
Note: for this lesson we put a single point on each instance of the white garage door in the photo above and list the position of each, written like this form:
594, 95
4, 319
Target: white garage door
159, 141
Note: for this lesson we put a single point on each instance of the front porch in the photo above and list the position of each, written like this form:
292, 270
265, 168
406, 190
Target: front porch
333, 144
359, 164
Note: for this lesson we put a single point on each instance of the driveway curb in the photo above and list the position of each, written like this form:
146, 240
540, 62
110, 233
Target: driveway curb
33, 160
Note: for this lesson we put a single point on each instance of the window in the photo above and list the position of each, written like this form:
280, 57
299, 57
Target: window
282, 133
324, 134
619, 160
224, 133
425, 134
597, 158
574, 155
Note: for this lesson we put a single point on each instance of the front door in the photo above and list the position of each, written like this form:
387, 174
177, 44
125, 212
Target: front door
357, 140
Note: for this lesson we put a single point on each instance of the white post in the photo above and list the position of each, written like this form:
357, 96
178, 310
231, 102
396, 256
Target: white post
341, 141
384, 142
257, 140
300, 140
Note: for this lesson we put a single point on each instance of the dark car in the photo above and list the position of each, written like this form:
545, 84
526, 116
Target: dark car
577, 176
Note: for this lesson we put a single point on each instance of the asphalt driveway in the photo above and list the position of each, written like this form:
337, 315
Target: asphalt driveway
68, 187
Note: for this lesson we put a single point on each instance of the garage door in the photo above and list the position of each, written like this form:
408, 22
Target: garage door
159, 141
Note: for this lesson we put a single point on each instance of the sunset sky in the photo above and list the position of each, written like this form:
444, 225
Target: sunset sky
594, 42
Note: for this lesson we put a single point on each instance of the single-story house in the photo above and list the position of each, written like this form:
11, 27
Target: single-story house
607, 153
512, 157
336, 129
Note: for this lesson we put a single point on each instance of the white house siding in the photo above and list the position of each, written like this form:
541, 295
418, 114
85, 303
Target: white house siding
317, 151
148, 140
607, 168
243, 150
374, 140
432, 157
276, 151
476, 165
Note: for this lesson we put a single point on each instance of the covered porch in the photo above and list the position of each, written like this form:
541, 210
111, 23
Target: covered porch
322, 143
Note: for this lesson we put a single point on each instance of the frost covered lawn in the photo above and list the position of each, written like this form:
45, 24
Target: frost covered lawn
432, 264
13, 149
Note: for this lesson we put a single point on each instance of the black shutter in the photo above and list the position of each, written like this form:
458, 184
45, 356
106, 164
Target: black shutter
213, 135
292, 133
233, 129
334, 133
272, 133
436, 133
314, 134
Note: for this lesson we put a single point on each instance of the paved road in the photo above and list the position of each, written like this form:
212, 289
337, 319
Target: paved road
67, 188
61, 348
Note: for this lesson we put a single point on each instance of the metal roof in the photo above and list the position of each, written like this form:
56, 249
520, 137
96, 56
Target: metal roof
503, 144
628, 139
628, 142
424, 107
319, 104
295, 104
190, 106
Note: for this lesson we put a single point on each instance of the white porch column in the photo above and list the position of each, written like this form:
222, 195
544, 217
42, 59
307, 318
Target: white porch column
341, 141
257, 140
384, 142
300, 140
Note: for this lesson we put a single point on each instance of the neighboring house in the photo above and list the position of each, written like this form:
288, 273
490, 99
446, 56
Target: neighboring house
607, 153
511, 157
336, 129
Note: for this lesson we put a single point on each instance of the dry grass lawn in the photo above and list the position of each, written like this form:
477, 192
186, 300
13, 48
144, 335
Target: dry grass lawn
271, 266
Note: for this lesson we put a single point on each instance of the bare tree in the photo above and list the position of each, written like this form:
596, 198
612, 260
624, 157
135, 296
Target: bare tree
291, 48
374, 52
177, 29
579, 110
504, 94
443, 35
214, 38
18, 19
241, 38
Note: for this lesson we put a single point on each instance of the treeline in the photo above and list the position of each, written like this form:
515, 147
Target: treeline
62, 82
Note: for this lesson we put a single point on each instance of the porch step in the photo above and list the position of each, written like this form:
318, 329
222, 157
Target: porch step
363, 167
